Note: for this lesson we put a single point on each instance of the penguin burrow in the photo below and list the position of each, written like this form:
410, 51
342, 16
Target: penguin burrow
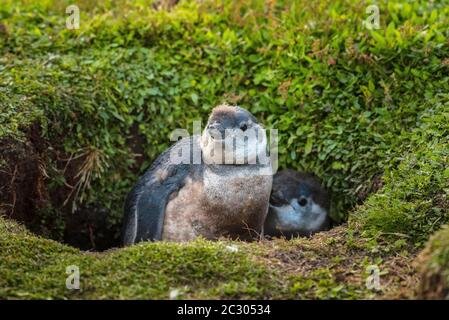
221, 188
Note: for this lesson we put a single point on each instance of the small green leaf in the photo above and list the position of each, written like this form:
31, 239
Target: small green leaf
293, 154
194, 98
309, 145
337, 165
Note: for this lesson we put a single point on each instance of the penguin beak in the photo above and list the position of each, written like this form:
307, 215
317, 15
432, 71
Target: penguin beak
295, 205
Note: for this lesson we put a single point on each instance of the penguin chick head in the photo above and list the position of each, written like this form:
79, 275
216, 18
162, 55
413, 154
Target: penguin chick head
299, 205
233, 136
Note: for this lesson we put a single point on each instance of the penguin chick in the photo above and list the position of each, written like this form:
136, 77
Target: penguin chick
212, 185
299, 205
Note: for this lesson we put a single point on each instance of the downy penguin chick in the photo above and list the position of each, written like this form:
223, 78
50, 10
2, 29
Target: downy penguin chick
223, 192
299, 205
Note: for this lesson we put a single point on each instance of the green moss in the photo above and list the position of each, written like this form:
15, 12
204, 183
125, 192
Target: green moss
413, 201
321, 284
434, 265
35, 268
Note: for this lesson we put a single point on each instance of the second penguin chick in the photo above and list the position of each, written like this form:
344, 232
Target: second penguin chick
299, 205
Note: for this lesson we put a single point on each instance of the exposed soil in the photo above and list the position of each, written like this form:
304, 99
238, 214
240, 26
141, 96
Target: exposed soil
22, 179
28, 196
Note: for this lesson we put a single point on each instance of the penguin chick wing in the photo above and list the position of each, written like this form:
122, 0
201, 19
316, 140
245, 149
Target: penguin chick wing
146, 203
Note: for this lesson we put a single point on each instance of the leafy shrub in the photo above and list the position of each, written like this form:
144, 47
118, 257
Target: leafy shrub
414, 199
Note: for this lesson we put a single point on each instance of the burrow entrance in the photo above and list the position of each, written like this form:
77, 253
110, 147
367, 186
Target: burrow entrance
29, 196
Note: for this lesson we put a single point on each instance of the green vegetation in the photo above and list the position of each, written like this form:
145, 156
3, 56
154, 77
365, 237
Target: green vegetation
434, 262
84, 112
36, 268
33, 267
413, 202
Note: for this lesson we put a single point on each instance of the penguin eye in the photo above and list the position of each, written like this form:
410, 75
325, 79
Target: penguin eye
243, 126
276, 200
303, 202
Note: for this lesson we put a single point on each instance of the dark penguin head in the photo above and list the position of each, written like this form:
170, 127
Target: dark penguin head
299, 205
233, 136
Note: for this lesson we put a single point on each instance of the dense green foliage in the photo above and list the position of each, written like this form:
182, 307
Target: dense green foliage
414, 201
338, 93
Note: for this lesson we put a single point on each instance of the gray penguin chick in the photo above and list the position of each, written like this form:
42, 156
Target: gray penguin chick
299, 205
223, 192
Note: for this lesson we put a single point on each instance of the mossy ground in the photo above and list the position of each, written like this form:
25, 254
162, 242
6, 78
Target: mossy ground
326, 266
434, 267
